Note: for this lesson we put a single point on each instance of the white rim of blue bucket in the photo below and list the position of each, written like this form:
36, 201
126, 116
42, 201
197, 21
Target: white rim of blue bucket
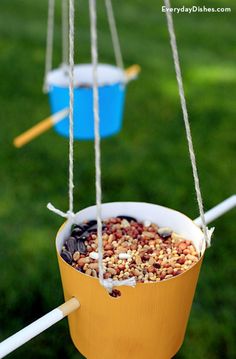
83, 76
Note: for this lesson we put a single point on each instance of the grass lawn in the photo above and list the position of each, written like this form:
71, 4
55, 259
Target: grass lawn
147, 161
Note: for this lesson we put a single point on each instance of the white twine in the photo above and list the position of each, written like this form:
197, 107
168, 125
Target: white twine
71, 106
70, 212
114, 34
207, 233
65, 32
49, 43
92, 9
107, 283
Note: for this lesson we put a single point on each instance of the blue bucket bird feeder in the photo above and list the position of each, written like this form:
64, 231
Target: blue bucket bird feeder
111, 86
112, 81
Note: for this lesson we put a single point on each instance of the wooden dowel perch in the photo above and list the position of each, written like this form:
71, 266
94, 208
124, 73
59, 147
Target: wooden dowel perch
40, 128
132, 72
37, 327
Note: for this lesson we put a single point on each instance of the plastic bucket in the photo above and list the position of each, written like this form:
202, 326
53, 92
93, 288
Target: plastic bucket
111, 81
145, 322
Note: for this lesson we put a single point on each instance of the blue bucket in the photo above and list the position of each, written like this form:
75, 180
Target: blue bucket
111, 90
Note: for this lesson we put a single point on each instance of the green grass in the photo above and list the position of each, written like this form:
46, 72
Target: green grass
147, 161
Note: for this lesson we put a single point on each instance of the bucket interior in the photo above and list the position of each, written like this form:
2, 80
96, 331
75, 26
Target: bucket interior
162, 216
83, 76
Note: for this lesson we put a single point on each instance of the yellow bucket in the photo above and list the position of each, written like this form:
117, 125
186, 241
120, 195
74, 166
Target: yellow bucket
145, 322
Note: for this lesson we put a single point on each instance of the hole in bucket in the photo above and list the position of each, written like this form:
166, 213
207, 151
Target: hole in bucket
115, 293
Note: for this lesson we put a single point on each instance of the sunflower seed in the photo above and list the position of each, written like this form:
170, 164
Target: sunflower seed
128, 218
67, 256
91, 223
164, 232
81, 247
71, 245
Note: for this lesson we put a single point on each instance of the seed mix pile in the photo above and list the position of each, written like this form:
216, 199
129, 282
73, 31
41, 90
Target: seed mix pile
131, 249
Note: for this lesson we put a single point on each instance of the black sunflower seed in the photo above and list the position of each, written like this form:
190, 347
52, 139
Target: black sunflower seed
74, 226
71, 245
81, 247
91, 223
84, 236
166, 235
95, 227
92, 228
77, 231
85, 226
164, 232
128, 218
67, 256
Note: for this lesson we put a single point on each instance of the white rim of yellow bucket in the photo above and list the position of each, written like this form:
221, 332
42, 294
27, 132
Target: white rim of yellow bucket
162, 216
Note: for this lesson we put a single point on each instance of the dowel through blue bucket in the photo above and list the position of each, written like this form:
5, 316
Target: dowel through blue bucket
112, 84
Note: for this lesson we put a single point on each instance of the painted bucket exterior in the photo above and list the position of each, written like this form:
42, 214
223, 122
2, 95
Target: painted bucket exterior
111, 107
146, 322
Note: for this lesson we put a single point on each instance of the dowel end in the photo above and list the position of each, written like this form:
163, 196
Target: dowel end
70, 306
